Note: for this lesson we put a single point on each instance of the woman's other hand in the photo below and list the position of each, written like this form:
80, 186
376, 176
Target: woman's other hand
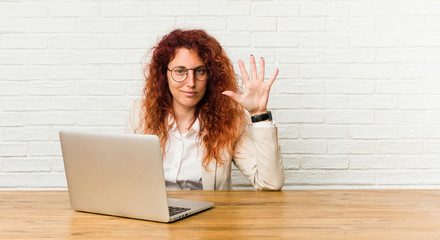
256, 95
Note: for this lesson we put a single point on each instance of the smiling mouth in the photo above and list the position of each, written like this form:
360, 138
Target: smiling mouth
189, 93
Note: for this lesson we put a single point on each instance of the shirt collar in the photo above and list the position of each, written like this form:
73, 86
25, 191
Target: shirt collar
194, 128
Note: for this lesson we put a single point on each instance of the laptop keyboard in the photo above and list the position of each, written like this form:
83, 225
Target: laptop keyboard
176, 210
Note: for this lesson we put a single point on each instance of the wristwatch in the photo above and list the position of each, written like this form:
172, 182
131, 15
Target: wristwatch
262, 117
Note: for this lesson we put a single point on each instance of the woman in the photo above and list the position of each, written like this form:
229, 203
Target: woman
191, 101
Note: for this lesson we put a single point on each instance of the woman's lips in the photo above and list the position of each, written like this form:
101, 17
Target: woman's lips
189, 94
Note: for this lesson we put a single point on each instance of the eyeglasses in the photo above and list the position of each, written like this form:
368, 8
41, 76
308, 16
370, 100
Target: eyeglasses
179, 74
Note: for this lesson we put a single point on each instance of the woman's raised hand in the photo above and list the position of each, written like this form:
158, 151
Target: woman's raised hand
256, 95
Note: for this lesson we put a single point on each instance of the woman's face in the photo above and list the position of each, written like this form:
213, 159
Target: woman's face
189, 92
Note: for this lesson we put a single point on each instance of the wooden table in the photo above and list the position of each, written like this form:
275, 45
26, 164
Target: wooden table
312, 214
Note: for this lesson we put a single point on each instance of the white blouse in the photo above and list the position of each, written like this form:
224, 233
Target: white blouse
183, 158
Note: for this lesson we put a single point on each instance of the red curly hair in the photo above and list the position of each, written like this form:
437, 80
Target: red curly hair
222, 120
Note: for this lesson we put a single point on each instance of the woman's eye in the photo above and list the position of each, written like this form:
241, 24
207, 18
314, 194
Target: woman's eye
180, 71
200, 71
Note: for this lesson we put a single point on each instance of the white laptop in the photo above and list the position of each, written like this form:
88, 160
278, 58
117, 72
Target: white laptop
120, 175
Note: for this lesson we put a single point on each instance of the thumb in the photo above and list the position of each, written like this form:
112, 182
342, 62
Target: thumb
232, 95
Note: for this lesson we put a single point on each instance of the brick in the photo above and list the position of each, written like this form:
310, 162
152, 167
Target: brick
351, 56
48, 180
323, 131
101, 118
426, 71
12, 119
420, 8
27, 165
127, 40
76, 103
121, 72
350, 87
432, 146
301, 24
432, 56
233, 39
419, 162
373, 161
407, 24
431, 23
57, 165
269, 9
432, 177
101, 57
288, 131
324, 8
300, 86
206, 23
74, 73
274, 40
23, 10
287, 72
151, 24
50, 58
12, 26
350, 146
177, 9
303, 146
398, 117
324, 162
45, 149
375, 8
374, 40
399, 87
283, 101
73, 42
26, 103
59, 25
291, 162
128, 9
14, 180
100, 25
432, 117
399, 177
424, 132
373, 132
12, 89
406, 55
324, 101
19, 134
310, 40
350, 116
399, 147
350, 24
373, 102
252, 24
370, 71
352, 177
302, 56
12, 57
222, 8
22, 73
297, 116
324, 71
116, 103
20, 41
13, 149
51, 118
419, 102
74, 10
308, 177
103, 88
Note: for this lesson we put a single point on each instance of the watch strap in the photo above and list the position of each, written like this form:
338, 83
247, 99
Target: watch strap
262, 117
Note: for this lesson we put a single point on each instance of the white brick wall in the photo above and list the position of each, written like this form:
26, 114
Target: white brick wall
357, 99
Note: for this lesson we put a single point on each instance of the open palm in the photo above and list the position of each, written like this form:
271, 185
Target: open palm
256, 95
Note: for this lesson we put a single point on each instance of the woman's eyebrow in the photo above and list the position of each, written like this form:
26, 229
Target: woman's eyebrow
189, 68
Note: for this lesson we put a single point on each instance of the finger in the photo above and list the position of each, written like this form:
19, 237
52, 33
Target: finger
243, 71
233, 95
262, 69
274, 76
253, 68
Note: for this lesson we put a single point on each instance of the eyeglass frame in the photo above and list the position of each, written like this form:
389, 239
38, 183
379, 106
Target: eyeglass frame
195, 76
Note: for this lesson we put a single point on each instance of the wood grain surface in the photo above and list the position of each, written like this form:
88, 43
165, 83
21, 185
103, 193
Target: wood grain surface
306, 214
